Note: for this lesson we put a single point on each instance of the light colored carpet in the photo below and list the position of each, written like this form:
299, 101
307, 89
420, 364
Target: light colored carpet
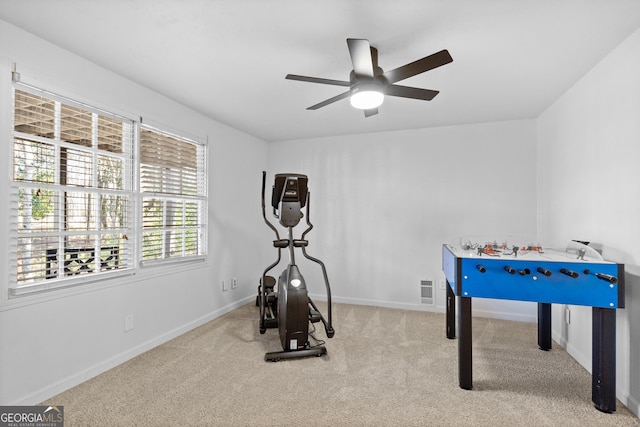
384, 367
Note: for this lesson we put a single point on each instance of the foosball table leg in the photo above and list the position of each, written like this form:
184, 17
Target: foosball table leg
544, 326
465, 341
603, 372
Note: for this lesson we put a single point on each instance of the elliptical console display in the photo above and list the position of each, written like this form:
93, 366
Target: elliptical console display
287, 305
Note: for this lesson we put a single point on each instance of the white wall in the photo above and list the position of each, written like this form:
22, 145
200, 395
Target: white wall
588, 189
383, 204
50, 342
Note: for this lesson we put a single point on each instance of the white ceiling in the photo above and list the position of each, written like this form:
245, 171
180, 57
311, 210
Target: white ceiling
228, 58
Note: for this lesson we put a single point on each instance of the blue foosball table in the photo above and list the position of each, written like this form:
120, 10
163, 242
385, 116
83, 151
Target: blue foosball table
575, 274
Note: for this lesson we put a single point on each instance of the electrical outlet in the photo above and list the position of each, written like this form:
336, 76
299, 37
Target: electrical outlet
128, 322
234, 283
442, 284
225, 286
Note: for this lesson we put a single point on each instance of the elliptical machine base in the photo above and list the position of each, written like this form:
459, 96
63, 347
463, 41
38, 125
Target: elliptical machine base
276, 356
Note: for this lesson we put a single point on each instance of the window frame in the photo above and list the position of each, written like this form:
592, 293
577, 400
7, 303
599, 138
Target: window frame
200, 198
133, 236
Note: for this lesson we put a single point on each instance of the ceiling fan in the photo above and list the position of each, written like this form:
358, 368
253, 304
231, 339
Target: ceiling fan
368, 83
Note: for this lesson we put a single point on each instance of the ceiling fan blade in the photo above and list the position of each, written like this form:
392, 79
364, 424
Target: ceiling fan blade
420, 66
360, 52
330, 100
370, 112
317, 80
410, 92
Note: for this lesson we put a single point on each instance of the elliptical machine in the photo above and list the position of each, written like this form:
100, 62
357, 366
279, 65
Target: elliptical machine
288, 307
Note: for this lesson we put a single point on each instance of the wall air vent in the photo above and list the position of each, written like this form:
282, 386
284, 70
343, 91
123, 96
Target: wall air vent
426, 292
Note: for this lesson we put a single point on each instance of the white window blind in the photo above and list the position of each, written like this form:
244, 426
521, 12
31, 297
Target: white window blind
173, 191
72, 193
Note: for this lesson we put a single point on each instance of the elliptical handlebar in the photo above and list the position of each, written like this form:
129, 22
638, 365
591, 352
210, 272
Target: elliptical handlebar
304, 233
261, 288
328, 325
264, 212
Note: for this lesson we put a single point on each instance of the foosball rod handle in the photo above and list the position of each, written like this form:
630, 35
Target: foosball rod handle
509, 270
606, 277
569, 273
543, 271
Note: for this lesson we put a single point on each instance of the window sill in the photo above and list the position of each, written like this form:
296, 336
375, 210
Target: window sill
38, 294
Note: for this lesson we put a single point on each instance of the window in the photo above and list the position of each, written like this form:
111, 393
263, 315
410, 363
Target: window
77, 214
173, 191
72, 190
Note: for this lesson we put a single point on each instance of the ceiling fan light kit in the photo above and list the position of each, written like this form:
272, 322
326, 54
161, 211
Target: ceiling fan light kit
366, 96
368, 83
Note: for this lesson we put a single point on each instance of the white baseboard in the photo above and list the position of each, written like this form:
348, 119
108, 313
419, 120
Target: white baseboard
379, 303
103, 366
505, 315
633, 405
518, 317
559, 339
